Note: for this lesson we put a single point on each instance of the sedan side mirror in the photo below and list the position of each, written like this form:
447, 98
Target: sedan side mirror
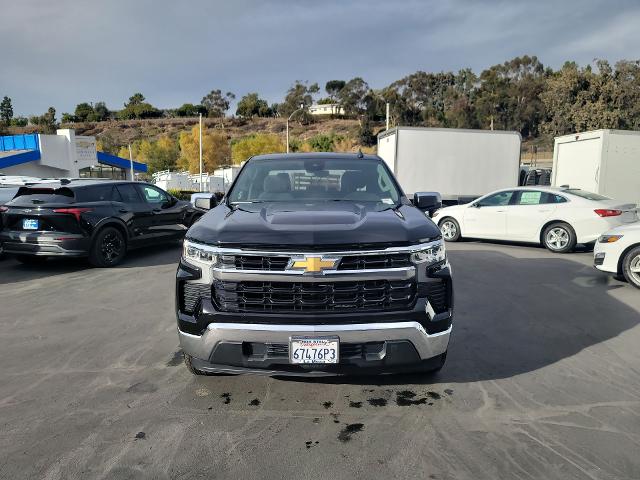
206, 203
427, 201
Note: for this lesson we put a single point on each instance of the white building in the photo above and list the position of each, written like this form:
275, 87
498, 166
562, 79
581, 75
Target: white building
64, 155
326, 109
185, 181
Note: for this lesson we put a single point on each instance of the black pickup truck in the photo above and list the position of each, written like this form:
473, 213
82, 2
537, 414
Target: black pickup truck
315, 264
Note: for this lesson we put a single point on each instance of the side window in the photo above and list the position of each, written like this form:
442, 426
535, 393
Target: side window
531, 197
129, 193
497, 200
553, 198
97, 193
154, 195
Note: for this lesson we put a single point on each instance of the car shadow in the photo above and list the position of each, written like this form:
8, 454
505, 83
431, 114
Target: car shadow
518, 315
11, 270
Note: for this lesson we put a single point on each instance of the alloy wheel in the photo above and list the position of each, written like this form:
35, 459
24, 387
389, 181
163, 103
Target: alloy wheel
111, 247
557, 238
634, 268
448, 229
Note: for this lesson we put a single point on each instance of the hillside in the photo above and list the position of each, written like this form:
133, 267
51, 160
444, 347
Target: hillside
117, 133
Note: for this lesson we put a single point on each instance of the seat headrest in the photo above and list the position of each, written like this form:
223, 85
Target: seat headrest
351, 181
279, 183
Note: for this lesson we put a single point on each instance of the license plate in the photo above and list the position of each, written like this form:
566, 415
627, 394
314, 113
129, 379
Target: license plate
29, 224
314, 350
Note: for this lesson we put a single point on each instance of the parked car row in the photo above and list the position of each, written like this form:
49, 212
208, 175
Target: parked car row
99, 219
558, 218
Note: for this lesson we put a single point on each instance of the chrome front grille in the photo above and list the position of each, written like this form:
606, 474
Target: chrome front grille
279, 263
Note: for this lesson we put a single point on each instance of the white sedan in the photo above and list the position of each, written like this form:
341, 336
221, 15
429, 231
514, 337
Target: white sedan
618, 252
557, 218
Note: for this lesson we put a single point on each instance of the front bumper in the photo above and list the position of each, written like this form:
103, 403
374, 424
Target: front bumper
250, 330
53, 244
259, 348
606, 256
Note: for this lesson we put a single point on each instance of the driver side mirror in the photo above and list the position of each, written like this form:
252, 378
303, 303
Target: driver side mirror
169, 203
206, 203
427, 201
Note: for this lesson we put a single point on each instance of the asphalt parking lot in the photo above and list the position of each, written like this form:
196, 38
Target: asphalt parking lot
542, 381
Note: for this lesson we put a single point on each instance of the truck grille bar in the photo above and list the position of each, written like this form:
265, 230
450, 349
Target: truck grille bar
368, 295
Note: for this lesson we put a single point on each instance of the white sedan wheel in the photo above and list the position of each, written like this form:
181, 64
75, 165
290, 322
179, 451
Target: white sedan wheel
558, 238
449, 230
634, 268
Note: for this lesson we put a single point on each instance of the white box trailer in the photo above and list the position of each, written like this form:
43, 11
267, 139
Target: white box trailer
459, 163
601, 161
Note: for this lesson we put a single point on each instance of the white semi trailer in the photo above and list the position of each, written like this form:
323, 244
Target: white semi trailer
460, 164
601, 161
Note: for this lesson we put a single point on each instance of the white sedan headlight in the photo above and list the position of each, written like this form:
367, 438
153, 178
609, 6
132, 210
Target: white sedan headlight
199, 254
434, 253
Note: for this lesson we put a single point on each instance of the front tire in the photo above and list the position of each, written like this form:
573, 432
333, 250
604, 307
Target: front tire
559, 237
108, 248
631, 267
450, 229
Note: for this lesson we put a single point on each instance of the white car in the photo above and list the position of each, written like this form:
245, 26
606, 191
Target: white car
556, 217
618, 251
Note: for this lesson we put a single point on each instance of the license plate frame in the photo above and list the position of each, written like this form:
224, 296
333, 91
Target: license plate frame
30, 224
315, 350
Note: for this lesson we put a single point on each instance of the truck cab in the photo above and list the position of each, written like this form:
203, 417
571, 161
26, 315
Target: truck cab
315, 264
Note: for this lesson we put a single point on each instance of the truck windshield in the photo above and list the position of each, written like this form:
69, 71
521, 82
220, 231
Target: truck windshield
315, 180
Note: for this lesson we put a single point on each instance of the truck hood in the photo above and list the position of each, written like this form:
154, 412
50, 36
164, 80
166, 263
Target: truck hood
314, 224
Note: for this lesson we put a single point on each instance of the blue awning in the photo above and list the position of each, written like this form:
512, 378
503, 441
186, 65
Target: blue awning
119, 162
18, 158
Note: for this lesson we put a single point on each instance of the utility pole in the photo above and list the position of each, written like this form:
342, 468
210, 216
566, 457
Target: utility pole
387, 116
289, 119
201, 189
131, 163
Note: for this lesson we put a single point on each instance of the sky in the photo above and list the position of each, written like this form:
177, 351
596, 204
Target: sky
60, 53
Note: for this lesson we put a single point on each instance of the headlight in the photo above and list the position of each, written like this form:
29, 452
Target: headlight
198, 254
432, 254
609, 238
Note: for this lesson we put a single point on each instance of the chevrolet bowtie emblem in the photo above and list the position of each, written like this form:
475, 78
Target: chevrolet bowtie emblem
314, 264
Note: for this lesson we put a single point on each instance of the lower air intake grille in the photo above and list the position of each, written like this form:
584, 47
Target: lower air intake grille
369, 295
437, 296
191, 295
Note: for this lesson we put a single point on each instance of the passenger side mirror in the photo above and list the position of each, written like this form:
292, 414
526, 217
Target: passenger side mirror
206, 203
427, 201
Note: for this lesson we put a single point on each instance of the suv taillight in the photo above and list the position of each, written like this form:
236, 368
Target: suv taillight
604, 212
76, 212
4, 209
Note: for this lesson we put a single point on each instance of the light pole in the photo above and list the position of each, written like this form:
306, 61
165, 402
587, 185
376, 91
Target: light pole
289, 119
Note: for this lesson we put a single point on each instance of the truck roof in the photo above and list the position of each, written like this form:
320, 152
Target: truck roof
304, 155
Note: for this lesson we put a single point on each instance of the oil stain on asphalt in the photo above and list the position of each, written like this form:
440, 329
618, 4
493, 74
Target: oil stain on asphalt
349, 430
176, 359
227, 398
254, 403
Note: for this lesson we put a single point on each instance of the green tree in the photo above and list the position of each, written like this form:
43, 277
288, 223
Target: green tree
83, 112
6, 110
299, 94
333, 87
351, 96
216, 103
47, 121
190, 110
251, 105
137, 108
